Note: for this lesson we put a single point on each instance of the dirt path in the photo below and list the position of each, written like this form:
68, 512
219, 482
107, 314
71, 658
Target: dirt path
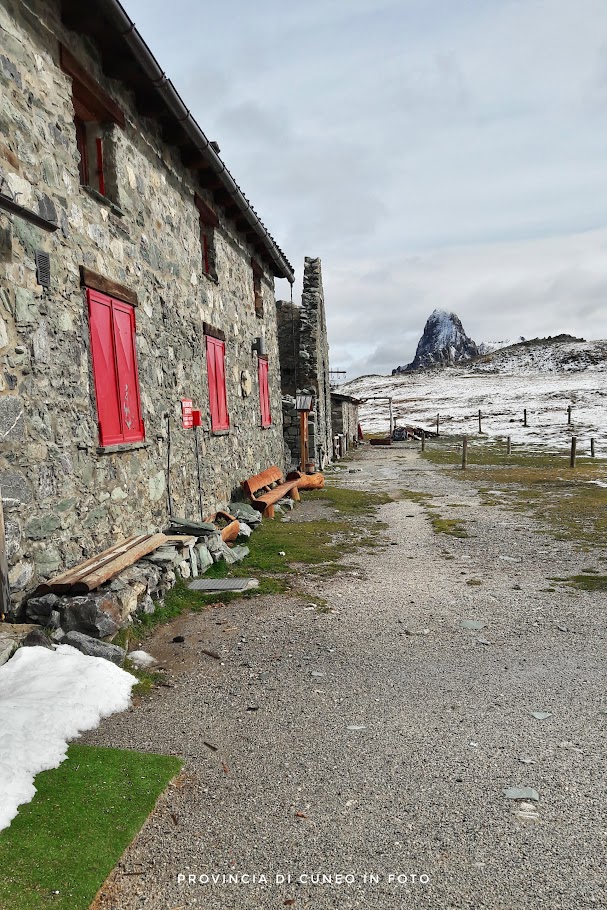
377, 740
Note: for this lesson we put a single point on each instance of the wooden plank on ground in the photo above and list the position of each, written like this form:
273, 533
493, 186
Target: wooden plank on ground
113, 568
61, 583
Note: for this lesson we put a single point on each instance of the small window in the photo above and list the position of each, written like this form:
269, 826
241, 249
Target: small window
216, 373
95, 113
264, 392
257, 287
90, 142
208, 221
112, 327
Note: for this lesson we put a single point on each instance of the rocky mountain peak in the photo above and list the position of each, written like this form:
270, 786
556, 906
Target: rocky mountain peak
443, 341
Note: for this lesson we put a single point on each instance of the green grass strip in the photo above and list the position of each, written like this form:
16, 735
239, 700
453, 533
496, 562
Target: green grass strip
85, 814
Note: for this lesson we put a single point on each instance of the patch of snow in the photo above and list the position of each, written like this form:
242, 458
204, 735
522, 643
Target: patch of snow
488, 347
47, 698
141, 658
544, 378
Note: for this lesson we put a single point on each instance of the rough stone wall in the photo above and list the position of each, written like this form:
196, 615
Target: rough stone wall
288, 318
345, 419
304, 361
63, 500
314, 353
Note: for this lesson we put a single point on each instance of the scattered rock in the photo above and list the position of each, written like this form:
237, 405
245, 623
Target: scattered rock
191, 528
541, 715
356, 727
97, 614
39, 609
526, 812
521, 793
474, 624
244, 512
178, 639
92, 647
245, 529
204, 557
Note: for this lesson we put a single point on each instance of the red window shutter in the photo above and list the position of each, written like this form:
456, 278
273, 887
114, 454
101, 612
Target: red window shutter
220, 374
100, 174
112, 325
211, 373
126, 361
264, 392
104, 368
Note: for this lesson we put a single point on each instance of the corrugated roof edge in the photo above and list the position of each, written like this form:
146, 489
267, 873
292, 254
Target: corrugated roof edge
165, 88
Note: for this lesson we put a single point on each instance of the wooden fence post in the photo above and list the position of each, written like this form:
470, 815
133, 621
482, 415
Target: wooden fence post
573, 451
509, 446
525, 417
480, 421
464, 453
423, 440
569, 415
5, 596
437, 424
592, 447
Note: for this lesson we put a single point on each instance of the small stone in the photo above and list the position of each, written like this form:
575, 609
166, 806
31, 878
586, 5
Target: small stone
178, 639
36, 639
541, 715
92, 647
521, 793
474, 624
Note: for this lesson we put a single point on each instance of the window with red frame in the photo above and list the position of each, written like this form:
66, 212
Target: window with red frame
216, 373
95, 113
208, 221
264, 392
112, 327
257, 287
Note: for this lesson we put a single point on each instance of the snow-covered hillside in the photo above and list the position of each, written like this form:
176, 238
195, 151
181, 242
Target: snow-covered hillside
542, 376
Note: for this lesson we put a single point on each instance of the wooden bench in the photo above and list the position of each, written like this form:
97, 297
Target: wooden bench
265, 502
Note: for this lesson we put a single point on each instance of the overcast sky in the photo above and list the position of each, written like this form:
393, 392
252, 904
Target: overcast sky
445, 154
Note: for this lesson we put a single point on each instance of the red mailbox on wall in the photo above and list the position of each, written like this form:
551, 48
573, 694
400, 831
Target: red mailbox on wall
196, 418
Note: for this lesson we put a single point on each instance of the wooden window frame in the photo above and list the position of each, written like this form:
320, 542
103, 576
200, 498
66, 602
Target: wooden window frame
94, 110
208, 221
257, 287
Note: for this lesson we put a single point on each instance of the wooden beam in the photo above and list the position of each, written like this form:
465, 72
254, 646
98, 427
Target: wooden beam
89, 279
213, 332
88, 91
9, 205
207, 214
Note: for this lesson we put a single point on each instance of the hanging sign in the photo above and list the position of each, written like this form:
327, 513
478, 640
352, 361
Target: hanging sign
187, 420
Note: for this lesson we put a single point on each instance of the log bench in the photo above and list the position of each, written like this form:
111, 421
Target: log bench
270, 495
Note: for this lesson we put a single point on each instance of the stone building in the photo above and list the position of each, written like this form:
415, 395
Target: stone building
344, 409
304, 364
136, 285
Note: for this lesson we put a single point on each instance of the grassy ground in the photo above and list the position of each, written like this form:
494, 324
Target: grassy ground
61, 846
566, 501
310, 547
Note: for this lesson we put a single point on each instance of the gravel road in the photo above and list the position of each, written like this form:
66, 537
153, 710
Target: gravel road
377, 740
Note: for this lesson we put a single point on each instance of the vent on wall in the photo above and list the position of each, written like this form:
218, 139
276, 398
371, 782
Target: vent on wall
43, 269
